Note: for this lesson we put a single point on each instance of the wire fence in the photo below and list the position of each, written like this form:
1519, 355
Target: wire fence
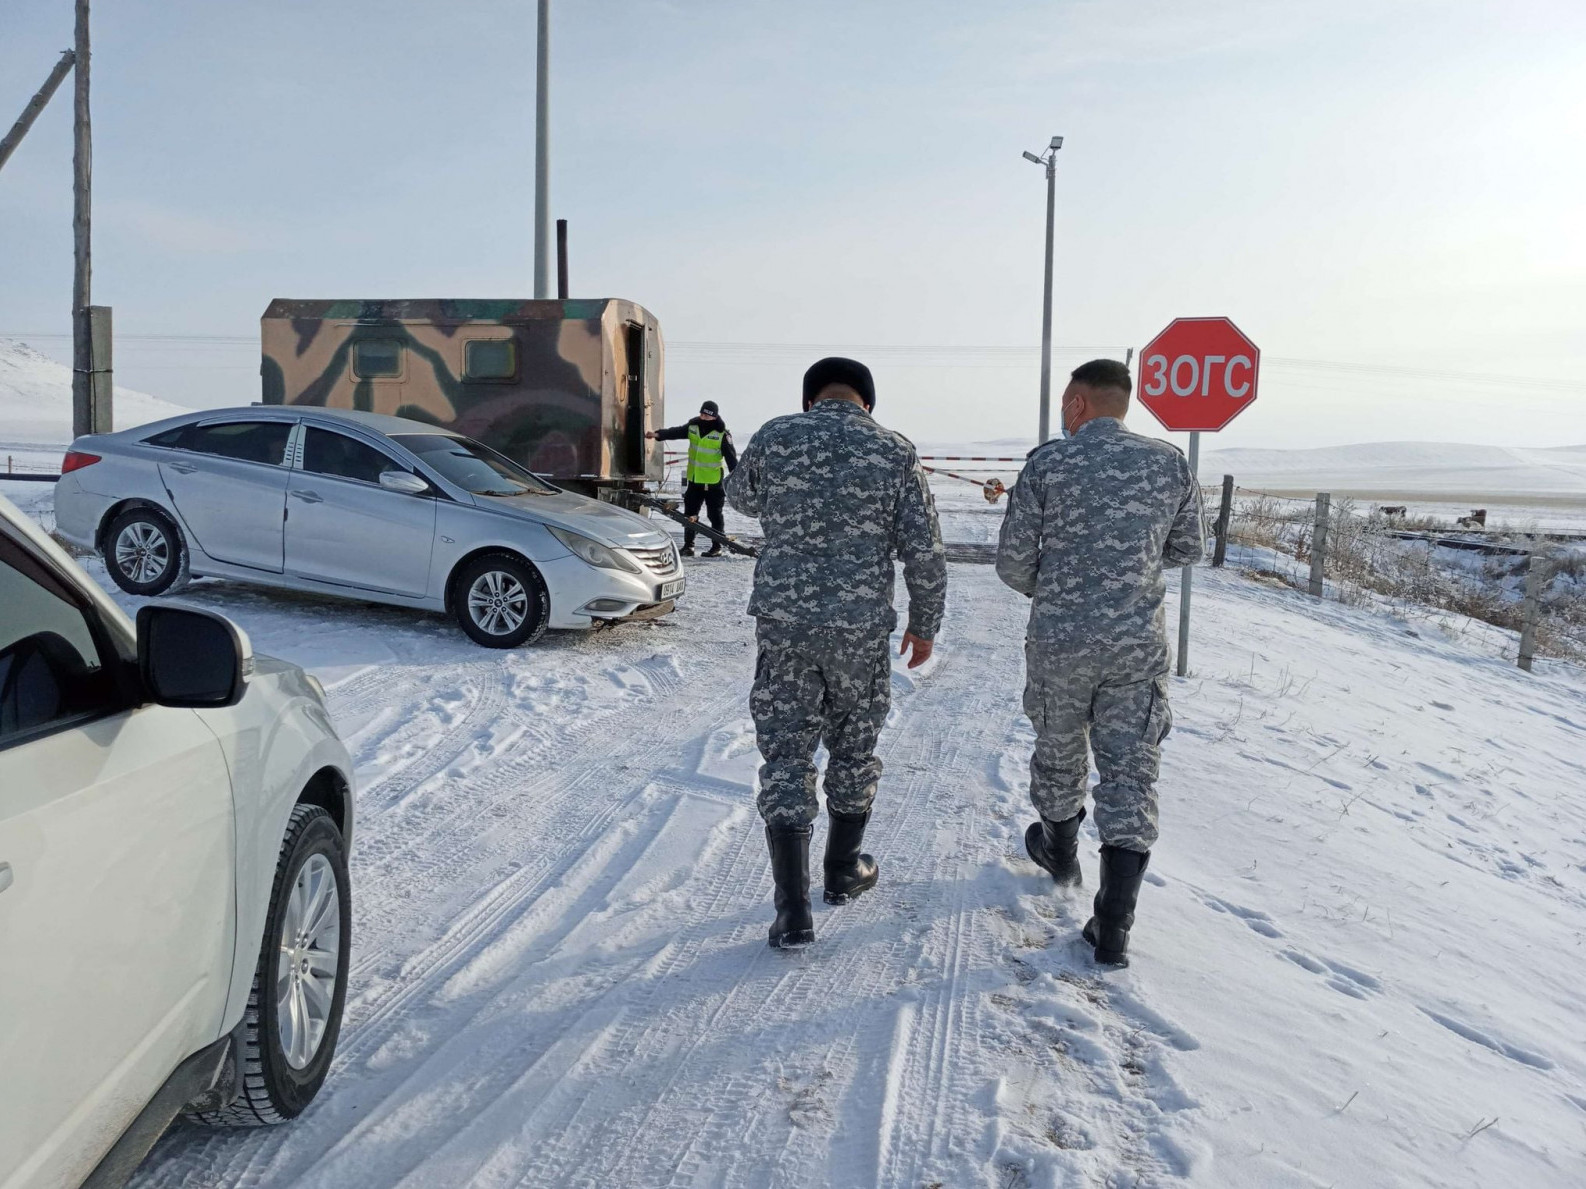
1477, 579
32, 465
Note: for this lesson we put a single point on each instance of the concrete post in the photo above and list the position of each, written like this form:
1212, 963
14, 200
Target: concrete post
101, 377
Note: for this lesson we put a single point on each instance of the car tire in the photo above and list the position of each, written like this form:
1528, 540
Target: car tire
144, 552
281, 1066
501, 601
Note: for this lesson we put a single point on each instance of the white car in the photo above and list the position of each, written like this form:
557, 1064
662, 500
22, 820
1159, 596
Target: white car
358, 504
175, 816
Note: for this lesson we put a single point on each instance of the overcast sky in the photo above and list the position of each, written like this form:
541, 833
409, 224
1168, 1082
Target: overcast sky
1392, 185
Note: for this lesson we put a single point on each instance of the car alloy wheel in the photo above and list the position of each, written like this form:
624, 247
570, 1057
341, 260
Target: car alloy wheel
287, 1038
143, 552
305, 982
498, 603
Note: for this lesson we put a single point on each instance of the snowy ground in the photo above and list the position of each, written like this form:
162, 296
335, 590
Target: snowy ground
1357, 961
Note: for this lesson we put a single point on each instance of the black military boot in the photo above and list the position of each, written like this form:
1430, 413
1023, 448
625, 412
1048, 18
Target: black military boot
687, 550
790, 871
848, 871
1121, 874
713, 551
1055, 846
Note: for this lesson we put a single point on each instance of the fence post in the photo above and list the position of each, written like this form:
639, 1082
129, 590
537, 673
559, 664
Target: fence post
1535, 571
1319, 543
1224, 514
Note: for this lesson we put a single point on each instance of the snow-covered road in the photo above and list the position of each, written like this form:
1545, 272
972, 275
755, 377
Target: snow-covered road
1361, 941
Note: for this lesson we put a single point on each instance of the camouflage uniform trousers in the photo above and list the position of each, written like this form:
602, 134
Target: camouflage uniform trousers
1117, 702
816, 685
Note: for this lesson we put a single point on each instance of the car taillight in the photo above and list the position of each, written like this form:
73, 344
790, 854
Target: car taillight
76, 460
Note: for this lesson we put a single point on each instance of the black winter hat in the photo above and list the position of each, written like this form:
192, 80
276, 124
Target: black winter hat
710, 407
834, 369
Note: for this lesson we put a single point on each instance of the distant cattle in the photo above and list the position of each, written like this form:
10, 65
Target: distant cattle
1390, 511
1476, 519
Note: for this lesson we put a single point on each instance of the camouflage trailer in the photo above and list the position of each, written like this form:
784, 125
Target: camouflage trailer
566, 388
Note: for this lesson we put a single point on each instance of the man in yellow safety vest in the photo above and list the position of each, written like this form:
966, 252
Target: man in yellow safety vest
711, 455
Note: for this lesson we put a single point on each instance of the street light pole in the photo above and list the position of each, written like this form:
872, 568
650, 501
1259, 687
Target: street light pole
542, 157
1048, 159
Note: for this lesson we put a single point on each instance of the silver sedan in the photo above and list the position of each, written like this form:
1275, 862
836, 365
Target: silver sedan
357, 504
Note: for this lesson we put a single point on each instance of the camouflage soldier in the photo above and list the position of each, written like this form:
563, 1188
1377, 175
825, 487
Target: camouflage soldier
709, 447
838, 497
1094, 519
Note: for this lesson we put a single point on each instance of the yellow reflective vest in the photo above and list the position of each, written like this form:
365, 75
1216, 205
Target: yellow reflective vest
704, 455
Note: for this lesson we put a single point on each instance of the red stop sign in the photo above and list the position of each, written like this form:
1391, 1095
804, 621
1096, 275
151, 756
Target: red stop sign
1199, 374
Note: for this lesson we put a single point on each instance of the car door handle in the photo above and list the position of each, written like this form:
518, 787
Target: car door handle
308, 497
5, 876
182, 468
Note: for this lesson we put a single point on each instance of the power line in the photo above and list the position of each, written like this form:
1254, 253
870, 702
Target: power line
936, 355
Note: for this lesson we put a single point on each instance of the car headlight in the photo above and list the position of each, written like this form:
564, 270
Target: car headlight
594, 552
316, 685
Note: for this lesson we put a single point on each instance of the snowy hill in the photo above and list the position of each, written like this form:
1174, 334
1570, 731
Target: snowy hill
1424, 469
36, 400
1435, 477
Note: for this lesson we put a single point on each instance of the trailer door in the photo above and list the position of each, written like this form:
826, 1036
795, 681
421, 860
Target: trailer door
633, 429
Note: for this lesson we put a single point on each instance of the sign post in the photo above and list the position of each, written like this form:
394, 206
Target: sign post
1196, 377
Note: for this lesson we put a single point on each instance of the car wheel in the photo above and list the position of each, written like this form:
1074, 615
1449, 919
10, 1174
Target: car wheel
501, 601
144, 553
294, 1006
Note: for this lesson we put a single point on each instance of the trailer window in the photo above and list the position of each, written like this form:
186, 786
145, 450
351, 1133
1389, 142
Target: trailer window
373, 358
490, 359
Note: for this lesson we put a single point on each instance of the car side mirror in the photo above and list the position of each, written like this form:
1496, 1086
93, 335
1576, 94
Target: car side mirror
404, 481
190, 658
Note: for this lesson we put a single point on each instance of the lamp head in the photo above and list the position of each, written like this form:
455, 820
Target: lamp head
1029, 156
1057, 143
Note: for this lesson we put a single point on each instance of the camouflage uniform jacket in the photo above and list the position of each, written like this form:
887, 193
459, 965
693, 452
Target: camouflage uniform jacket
1090, 526
839, 497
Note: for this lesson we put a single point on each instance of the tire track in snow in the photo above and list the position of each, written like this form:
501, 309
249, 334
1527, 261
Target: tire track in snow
644, 1028
769, 1004
703, 1103
567, 1025
485, 1049
564, 804
548, 821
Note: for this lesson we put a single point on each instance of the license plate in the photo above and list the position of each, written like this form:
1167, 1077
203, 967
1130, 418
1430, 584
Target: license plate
670, 590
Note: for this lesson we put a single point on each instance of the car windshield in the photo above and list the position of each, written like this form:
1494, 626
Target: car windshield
474, 468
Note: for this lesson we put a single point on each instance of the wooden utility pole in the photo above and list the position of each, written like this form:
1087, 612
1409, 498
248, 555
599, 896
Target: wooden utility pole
1319, 544
82, 238
1225, 512
1535, 573
35, 105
